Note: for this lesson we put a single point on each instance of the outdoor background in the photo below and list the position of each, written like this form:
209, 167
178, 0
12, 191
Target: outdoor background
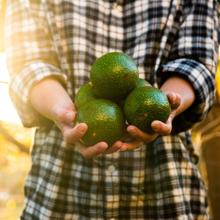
16, 142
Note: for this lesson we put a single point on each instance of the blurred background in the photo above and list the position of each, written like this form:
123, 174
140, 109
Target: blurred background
16, 142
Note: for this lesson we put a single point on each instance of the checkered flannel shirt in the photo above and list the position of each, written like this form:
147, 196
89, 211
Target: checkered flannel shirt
61, 39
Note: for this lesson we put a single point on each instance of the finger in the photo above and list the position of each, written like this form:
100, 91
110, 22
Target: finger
114, 148
64, 115
64, 121
161, 128
95, 150
174, 100
140, 135
131, 146
171, 117
71, 135
164, 128
67, 117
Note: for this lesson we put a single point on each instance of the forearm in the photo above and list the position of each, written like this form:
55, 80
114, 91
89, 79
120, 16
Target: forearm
48, 96
183, 88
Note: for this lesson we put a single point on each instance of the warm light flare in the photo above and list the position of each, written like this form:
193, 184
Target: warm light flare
217, 78
7, 110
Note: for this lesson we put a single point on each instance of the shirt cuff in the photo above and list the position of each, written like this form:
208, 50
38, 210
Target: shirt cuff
203, 83
19, 89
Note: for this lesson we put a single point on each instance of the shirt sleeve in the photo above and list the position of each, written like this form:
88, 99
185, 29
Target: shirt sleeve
31, 55
194, 57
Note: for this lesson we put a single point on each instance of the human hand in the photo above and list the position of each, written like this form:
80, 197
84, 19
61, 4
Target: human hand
137, 137
72, 134
58, 107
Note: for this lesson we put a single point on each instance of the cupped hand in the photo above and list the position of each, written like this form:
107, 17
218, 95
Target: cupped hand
138, 137
72, 134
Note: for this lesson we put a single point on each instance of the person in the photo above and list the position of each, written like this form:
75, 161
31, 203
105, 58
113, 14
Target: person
50, 48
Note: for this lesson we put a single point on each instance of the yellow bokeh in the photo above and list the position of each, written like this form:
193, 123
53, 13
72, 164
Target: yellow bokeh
2, 13
217, 78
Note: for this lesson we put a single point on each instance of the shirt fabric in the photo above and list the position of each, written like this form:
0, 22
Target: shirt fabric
62, 39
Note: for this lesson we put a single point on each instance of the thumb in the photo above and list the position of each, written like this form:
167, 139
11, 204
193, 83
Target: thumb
174, 100
64, 116
69, 116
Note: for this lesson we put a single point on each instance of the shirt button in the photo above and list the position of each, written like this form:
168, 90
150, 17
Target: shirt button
111, 168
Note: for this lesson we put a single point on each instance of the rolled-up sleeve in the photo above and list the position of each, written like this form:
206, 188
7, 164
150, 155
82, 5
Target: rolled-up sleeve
194, 57
31, 55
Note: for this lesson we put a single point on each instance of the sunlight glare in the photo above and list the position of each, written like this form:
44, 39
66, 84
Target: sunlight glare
7, 110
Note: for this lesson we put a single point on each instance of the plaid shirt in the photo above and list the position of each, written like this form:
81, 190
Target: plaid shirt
62, 39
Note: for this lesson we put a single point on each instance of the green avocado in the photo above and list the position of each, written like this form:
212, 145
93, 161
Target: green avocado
84, 94
142, 83
113, 76
144, 105
105, 121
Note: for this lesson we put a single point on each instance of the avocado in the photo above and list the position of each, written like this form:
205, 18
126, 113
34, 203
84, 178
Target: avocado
105, 121
142, 83
144, 105
113, 76
84, 94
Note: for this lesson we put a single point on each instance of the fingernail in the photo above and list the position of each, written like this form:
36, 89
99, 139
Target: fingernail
82, 128
104, 145
156, 126
130, 129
